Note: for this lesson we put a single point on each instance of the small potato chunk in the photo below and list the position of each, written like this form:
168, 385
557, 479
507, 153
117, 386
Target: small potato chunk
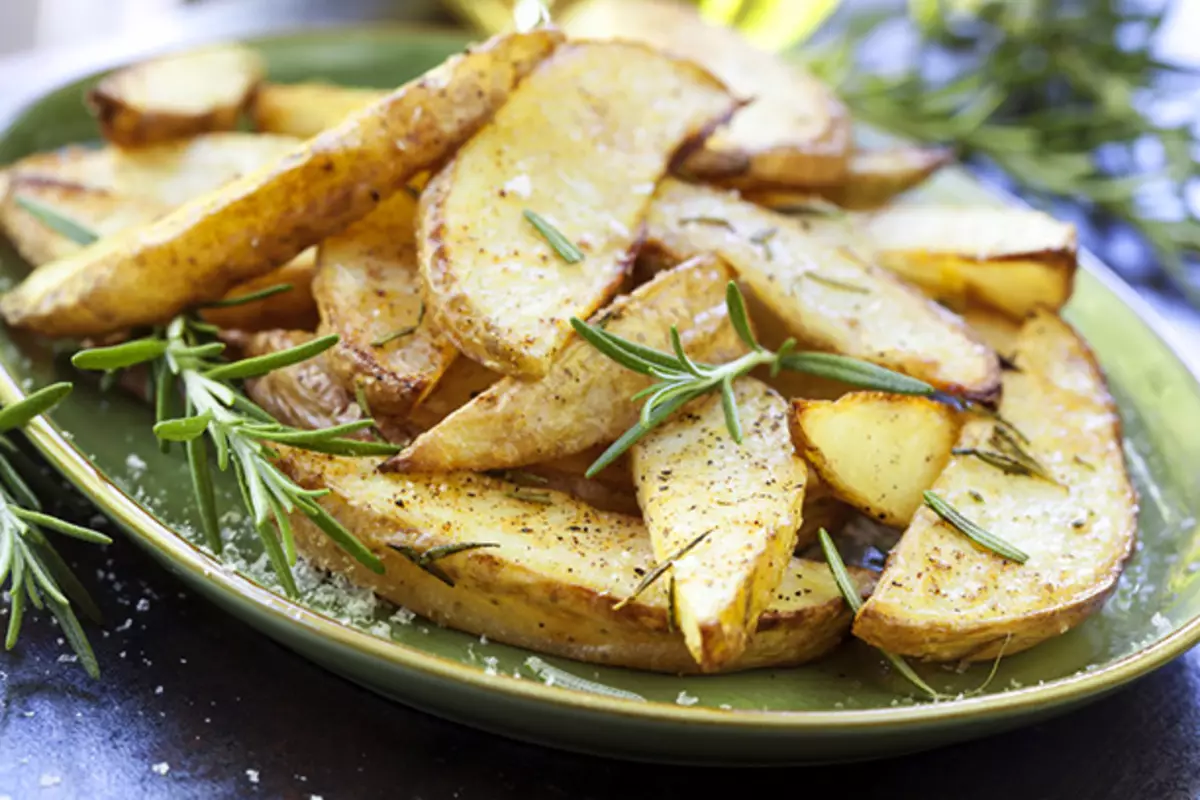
199, 251
176, 96
876, 451
794, 132
1013, 260
585, 399
306, 109
581, 142
943, 597
809, 273
555, 573
368, 289
736, 506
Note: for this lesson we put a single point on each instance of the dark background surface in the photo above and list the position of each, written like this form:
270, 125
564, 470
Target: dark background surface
193, 703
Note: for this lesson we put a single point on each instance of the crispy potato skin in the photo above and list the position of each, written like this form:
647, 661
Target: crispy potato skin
746, 500
212, 243
795, 132
584, 400
306, 109
876, 451
552, 583
1012, 260
176, 96
368, 288
499, 290
879, 319
941, 597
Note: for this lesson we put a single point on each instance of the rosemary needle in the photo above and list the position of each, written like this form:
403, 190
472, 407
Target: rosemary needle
984, 538
565, 248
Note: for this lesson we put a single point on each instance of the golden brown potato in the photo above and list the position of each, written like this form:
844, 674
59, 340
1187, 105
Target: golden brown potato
872, 179
306, 109
243, 230
731, 509
553, 575
368, 289
809, 272
177, 95
998, 330
497, 286
78, 165
876, 451
585, 399
794, 132
1013, 260
943, 597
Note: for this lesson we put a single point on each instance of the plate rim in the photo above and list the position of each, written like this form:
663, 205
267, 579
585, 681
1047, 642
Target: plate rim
56, 445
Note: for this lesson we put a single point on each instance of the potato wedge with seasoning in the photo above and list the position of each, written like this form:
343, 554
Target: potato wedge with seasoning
808, 272
519, 233
1013, 260
368, 290
176, 95
943, 597
585, 398
78, 165
306, 109
202, 249
550, 573
995, 328
878, 452
724, 515
794, 132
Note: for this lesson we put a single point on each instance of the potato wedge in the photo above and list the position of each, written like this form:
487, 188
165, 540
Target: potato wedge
1013, 260
306, 109
500, 291
809, 273
732, 510
795, 132
585, 400
876, 451
80, 165
177, 95
941, 596
262, 220
368, 290
553, 576
872, 179
995, 328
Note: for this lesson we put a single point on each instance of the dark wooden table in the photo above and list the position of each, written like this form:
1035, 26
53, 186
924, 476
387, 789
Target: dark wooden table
195, 704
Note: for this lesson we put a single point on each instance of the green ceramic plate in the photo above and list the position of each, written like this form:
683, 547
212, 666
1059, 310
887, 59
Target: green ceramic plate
845, 707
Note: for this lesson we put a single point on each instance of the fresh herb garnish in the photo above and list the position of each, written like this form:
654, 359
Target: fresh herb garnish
565, 248
835, 283
763, 239
530, 496
427, 560
716, 222
517, 476
402, 332
250, 297
1008, 455
55, 221
813, 206
659, 569
681, 379
850, 594
972, 531
184, 353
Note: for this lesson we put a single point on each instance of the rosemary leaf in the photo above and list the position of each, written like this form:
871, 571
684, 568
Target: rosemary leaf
183, 429
835, 283
261, 365
402, 332
862, 374
55, 221
120, 356
661, 567
565, 248
202, 487
59, 525
428, 559
972, 531
250, 297
739, 318
33, 405
530, 496
716, 222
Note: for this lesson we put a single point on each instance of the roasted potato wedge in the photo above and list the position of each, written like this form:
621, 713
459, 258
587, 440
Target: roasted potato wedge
810, 274
500, 290
724, 514
1013, 260
78, 165
177, 95
876, 451
552, 575
795, 132
585, 400
995, 328
368, 290
873, 178
204, 248
943, 597
306, 109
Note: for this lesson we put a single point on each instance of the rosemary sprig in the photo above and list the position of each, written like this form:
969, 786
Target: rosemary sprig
56, 221
834, 283
715, 222
240, 433
530, 496
660, 569
1008, 455
36, 573
402, 332
973, 531
565, 248
681, 380
427, 560
850, 594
